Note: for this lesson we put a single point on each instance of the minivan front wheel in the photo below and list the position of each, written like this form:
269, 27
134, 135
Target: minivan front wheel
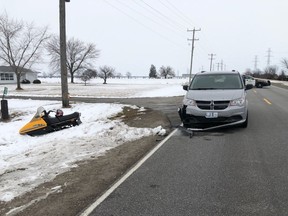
245, 124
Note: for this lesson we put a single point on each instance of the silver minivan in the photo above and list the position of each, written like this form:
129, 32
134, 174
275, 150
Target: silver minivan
215, 99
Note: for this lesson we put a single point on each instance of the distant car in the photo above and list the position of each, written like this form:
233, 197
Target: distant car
258, 83
249, 80
215, 99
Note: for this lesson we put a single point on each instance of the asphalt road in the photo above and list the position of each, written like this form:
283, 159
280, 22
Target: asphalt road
232, 171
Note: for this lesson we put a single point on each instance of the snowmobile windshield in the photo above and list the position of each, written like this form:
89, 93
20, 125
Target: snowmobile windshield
39, 112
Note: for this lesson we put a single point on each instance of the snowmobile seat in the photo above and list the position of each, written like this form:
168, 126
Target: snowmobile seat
51, 120
68, 117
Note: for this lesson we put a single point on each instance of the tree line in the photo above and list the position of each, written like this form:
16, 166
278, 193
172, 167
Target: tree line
22, 45
166, 72
271, 72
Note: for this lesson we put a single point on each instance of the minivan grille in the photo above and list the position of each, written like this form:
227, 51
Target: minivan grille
212, 105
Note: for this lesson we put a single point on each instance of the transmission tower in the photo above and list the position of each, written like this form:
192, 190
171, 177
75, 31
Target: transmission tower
268, 56
255, 63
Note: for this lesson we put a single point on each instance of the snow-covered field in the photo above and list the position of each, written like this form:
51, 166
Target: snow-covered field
26, 162
116, 88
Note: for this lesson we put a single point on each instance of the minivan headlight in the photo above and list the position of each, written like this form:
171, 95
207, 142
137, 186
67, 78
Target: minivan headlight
238, 102
189, 102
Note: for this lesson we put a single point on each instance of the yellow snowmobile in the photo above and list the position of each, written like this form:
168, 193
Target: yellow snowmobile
43, 123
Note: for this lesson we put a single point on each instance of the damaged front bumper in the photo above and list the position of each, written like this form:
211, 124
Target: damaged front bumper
196, 123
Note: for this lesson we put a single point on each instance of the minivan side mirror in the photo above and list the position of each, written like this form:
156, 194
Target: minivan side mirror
248, 86
185, 87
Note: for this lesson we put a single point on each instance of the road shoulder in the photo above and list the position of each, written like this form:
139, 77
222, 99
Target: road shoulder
71, 192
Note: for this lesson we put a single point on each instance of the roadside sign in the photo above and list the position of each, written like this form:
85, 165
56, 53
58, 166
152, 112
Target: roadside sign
5, 91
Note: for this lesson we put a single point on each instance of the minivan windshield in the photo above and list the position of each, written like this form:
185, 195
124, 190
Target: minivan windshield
216, 81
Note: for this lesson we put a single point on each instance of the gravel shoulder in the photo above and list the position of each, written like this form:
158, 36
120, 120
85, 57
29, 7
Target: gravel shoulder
71, 192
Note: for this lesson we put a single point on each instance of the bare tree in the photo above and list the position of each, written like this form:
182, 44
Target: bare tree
248, 71
128, 74
282, 75
271, 72
257, 73
285, 63
118, 75
166, 71
20, 44
106, 72
87, 75
80, 56
283, 72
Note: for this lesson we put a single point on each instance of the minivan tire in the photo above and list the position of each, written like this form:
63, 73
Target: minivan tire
245, 124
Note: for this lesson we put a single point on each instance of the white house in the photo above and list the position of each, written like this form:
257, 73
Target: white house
7, 75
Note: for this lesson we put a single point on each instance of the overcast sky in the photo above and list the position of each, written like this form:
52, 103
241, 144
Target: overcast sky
133, 34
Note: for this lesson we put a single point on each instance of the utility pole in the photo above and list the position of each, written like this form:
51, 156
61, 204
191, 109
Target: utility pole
218, 66
211, 59
192, 50
222, 64
269, 56
64, 77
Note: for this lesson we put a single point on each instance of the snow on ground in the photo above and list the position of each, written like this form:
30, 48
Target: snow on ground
26, 162
116, 88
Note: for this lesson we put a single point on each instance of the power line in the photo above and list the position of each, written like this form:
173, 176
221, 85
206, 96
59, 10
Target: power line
135, 20
153, 13
189, 21
184, 17
174, 11
149, 18
163, 15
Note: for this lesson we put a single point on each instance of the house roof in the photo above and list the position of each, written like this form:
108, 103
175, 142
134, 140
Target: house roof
10, 69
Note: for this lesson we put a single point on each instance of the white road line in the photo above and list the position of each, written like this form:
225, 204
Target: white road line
121, 180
